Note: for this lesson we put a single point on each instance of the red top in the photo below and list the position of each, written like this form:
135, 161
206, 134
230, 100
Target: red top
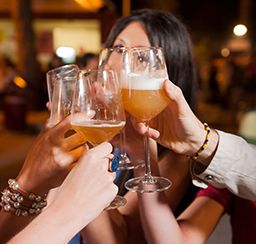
242, 213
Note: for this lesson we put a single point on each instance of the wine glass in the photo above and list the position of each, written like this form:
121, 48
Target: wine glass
142, 77
97, 112
112, 57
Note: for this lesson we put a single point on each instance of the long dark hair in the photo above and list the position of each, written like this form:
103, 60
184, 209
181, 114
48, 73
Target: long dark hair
166, 31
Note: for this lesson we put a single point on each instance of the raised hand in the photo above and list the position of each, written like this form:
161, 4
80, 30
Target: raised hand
50, 159
176, 128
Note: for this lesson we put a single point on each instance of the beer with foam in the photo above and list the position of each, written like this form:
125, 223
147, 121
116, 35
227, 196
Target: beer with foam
143, 97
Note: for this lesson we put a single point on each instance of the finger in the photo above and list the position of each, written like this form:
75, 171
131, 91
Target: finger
77, 153
103, 149
112, 175
49, 105
174, 93
113, 163
141, 128
60, 129
176, 96
170, 90
47, 124
72, 142
153, 133
62, 159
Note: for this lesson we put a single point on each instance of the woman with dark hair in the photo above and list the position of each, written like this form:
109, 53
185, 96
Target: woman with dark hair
161, 29
166, 31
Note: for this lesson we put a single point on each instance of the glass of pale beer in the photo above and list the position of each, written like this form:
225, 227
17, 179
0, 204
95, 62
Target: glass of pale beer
97, 112
142, 77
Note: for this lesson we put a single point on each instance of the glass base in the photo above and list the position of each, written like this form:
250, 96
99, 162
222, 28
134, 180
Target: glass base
116, 203
148, 184
126, 164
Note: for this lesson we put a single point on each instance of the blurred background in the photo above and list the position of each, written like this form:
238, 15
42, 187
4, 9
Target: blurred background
38, 35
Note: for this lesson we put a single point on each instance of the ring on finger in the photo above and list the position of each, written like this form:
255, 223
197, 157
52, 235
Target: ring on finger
113, 164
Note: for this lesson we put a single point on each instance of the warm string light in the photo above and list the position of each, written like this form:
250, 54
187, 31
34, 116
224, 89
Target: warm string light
91, 5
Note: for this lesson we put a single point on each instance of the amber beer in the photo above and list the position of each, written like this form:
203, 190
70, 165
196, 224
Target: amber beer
97, 131
144, 99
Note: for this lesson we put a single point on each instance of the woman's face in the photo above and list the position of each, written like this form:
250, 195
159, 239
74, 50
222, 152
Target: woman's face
133, 35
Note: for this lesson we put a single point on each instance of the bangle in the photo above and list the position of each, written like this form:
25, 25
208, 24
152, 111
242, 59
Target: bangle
21, 203
208, 130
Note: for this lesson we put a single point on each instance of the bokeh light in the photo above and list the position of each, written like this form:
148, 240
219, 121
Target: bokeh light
240, 30
224, 52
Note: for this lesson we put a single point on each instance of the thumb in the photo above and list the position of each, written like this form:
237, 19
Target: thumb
175, 95
62, 127
141, 128
173, 92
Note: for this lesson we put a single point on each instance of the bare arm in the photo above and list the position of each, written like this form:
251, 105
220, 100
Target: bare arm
89, 186
159, 223
199, 220
124, 225
44, 168
194, 225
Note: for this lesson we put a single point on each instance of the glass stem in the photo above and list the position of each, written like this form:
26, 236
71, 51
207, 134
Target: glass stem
147, 155
122, 142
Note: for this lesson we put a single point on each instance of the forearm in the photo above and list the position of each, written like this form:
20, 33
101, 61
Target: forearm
51, 226
11, 224
108, 227
159, 223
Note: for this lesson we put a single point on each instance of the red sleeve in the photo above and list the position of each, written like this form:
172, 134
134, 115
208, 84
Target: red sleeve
222, 196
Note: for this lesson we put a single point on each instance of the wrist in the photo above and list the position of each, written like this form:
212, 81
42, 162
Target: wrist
208, 153
28, 185
20, 202
46, 224
197, 139
73, 225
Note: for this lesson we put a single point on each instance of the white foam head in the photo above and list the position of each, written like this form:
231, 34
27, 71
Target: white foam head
141, 81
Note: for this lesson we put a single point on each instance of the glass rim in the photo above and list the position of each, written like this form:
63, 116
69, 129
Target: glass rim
88, 71
133, 48
54, 71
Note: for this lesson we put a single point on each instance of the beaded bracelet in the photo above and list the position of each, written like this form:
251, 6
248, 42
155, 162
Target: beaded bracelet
20, 202
208, 130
